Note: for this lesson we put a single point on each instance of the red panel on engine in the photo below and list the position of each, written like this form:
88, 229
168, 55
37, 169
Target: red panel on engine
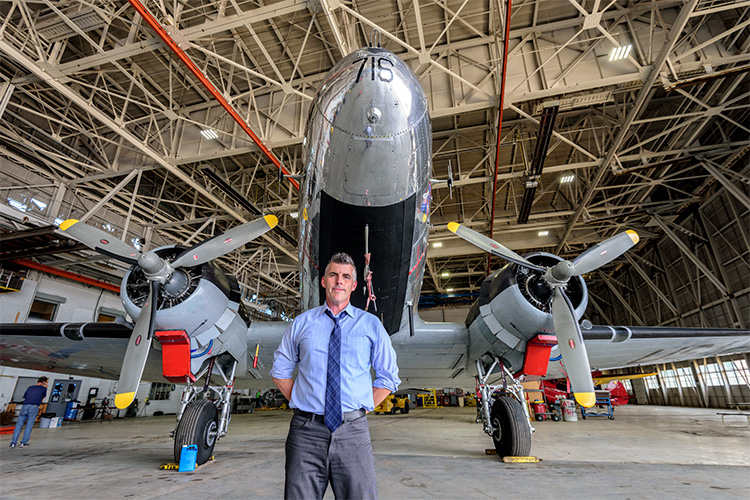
536, 357
175, 356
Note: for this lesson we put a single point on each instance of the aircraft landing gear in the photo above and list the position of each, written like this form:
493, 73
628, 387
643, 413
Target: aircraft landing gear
199, 425
505, 418
203, 422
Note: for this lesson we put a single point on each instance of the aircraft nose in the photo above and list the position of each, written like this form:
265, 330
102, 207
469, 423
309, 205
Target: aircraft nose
374, 120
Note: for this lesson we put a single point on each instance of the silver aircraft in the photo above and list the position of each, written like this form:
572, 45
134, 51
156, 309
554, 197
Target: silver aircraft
366, 191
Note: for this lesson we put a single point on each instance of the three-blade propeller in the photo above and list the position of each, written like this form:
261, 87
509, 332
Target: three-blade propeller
160, 273
569, 338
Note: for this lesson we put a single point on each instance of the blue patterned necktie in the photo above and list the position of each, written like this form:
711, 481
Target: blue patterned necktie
333, 415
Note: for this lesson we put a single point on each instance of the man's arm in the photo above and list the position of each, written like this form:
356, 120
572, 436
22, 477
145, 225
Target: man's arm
285, 386
379, 394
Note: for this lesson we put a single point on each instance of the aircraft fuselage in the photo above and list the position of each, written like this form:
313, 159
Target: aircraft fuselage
367, 163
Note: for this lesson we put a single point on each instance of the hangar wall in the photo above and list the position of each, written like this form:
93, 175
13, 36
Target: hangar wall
696, 275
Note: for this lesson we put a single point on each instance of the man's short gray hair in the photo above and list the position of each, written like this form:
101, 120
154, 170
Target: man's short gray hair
342, 258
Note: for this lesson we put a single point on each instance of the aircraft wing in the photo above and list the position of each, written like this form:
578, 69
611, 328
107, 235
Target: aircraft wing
97, 350
85, 349
619, 347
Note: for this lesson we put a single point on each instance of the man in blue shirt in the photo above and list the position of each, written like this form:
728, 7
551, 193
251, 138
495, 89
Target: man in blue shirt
333, 347
32, 398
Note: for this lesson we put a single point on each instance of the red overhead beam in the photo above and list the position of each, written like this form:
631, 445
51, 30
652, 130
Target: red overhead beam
162, 33
499, 124
66, 274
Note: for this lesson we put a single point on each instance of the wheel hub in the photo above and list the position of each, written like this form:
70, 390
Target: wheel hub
497, 434
211, 433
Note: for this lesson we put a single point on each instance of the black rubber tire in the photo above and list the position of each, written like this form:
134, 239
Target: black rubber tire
199, 425
555, 418
611, 417
513, 439
393, 410
406, 407
538, 418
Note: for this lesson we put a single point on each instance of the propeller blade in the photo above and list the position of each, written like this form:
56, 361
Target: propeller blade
572, 349
489, 245
137, 352
101, 241
604, 252
225, 243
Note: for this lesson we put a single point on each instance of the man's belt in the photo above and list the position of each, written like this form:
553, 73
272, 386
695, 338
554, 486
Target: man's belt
348, 415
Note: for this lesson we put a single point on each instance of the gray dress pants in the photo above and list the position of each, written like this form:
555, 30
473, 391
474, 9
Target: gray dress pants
315, 457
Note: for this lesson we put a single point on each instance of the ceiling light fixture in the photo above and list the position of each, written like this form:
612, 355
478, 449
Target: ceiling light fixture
445, 274
567, 178
449, 289
619, 53
293, 215
209, 133
543, 233
437, 244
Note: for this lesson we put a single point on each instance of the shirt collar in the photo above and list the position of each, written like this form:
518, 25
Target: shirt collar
349, 309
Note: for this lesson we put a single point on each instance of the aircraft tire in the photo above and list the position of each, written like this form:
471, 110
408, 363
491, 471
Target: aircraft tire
199, 426
513, 439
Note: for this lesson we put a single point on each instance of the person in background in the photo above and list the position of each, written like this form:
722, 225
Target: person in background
333, 347
32, 398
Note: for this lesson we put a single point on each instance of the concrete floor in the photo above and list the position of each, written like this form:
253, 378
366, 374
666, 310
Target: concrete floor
646, 452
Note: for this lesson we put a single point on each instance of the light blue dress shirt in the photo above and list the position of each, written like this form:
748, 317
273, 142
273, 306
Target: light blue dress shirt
364, 344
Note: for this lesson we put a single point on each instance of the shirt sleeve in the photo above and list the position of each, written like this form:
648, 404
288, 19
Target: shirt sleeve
286, 357
383, 361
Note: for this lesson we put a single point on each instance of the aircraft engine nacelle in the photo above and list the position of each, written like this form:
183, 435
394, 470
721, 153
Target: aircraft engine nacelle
514, 306
194, 298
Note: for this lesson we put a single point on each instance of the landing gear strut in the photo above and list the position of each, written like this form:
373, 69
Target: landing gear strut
201, 421
506, 418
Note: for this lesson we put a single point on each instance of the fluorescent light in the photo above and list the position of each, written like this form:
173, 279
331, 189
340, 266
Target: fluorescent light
619, 53
449, 289
445, 274
209, 133
543, 233
40, 204
567, 178
437, 244
293, 215
17, 205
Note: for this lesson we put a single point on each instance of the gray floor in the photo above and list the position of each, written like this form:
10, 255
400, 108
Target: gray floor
646, 452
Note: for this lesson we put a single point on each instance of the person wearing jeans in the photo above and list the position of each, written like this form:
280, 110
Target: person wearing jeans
32, 398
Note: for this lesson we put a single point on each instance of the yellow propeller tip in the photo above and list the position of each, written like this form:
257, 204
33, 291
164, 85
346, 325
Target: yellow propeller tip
633, 236
271, 220
453, 226
67, 223
586, 399
123, 400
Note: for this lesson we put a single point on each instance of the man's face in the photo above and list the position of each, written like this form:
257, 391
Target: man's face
339, 283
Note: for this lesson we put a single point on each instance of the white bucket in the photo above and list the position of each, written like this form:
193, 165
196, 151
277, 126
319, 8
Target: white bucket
569, 410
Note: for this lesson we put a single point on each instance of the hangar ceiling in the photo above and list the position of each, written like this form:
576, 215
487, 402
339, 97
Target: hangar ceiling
100, 121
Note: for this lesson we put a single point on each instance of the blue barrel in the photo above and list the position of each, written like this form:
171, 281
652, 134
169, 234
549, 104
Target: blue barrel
71, 412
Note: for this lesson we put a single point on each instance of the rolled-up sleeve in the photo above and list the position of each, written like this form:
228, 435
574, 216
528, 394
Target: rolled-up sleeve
286, 357
383, 361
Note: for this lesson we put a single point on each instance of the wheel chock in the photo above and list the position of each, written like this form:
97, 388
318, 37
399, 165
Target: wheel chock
490, 451
169, 466
521, 460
